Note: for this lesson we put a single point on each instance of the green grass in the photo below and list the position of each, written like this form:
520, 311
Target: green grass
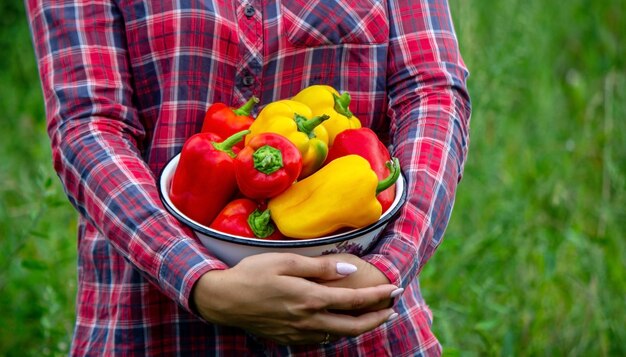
37, 224
534, 257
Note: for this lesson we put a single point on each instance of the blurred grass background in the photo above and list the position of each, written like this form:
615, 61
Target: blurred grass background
534, 257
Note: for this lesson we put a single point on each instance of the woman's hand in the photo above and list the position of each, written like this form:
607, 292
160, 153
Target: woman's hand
366, 275
273, 296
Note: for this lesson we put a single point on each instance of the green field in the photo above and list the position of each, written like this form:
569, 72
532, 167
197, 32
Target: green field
534, 258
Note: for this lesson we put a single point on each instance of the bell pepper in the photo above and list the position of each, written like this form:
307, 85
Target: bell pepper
295, 121
226, 121
267, 166
323, 99
246, 218
364, 142
341, 194
204, 180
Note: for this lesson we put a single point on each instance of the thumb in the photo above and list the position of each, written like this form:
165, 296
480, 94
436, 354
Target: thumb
318, 268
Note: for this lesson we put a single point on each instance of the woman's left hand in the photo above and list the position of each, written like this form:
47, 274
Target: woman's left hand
366, 275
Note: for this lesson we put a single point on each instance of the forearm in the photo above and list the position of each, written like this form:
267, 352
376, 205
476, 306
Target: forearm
115, 191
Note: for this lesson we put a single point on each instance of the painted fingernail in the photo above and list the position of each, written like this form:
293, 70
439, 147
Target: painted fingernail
345, 268
392, 316
396, 293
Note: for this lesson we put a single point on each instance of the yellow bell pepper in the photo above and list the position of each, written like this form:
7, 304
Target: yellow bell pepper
323, 99
295, 121
341, 194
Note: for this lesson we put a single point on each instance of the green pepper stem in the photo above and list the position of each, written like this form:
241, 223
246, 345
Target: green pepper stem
227, 145
308, 125
247, 108
341, 104
261, 224
394, 168
267, 159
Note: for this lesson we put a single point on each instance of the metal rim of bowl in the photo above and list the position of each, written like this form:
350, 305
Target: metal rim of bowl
256, 242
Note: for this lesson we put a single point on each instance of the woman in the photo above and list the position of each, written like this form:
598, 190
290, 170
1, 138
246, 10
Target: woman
126, 82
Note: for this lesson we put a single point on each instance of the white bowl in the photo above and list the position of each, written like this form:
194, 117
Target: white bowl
231, 248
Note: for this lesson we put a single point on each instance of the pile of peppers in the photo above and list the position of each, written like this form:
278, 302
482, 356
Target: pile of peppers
302, 168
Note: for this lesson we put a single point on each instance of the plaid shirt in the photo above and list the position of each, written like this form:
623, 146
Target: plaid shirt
126, 82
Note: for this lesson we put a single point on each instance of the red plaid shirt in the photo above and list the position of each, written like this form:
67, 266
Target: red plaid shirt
125, 83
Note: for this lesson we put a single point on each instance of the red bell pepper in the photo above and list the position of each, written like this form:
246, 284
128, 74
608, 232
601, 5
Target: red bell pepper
226, 121
267, 166
204, 180
364, 142
246, 218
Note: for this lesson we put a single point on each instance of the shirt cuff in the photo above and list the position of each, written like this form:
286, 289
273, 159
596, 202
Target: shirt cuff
182, 264
386, 267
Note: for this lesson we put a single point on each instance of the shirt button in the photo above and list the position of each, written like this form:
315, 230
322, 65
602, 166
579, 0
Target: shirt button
249, 10
248, 80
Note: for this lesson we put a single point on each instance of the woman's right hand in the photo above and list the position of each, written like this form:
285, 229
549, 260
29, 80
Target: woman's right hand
273, 296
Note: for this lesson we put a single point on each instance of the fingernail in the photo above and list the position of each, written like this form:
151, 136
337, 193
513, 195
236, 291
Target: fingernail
396, 293
345, 268
392, 316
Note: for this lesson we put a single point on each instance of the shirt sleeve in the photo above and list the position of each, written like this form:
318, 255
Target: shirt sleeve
96, 135
429, 109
